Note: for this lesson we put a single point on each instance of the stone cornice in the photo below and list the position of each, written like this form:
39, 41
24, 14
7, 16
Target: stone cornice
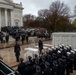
19, 7
7, 3
14, 5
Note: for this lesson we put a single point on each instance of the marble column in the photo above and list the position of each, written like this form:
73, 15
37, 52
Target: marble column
6, 23
0, 19
11, 17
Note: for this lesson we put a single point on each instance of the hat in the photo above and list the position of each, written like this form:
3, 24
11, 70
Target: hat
21, 59
52, 47
65, 48
38, 67
59, 51
62, 44
75, 50
56, 46
35, 55
69, 45
68, 53
72, 51
29, 57
47, 63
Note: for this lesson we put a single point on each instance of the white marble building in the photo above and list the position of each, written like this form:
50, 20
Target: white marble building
10, 13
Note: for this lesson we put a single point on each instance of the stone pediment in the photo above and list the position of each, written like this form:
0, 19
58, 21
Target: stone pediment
6, 1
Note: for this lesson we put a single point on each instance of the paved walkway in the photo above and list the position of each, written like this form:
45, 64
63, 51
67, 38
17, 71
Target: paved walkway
9, 56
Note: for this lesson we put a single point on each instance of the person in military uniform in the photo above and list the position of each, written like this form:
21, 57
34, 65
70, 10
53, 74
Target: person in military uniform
23, 38
40, 45
26, 38
71, 61
1, 38
42, 64
17, 37
68, 64
21, 66
30, 60
38, 71
35, 64
17, 51
28, 69
7, 38
55, 68
34, 58
47, 70
75, 60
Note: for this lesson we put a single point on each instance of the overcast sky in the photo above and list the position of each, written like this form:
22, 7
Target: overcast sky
32, 6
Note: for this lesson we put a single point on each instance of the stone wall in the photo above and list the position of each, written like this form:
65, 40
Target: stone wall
64, 38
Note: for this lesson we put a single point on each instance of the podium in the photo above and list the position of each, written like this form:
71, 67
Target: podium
6, 70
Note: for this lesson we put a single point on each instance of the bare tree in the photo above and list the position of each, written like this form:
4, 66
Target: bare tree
58, 17
43, 13
59, 8
75, 10
28, 17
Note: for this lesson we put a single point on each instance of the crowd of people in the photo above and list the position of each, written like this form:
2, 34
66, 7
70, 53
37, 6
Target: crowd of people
58, 60
20, 33
4, 37
16, 32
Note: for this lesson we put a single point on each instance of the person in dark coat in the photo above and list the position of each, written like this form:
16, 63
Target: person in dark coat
7, 38
55, 68
17, 51
68, 64
40, 45
75, 60
27, 39
35, 64
23, 38
28, 69
1, 39
38, 71
42, 64
21, 66
47, 70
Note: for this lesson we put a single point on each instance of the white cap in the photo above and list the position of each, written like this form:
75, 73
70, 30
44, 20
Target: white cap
68, 53
69, 45
75, 50
59, 51
65, 48
56, 46
62, 44
52, 47
72, 51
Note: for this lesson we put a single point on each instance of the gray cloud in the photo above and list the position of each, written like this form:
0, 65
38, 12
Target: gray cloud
32, 6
